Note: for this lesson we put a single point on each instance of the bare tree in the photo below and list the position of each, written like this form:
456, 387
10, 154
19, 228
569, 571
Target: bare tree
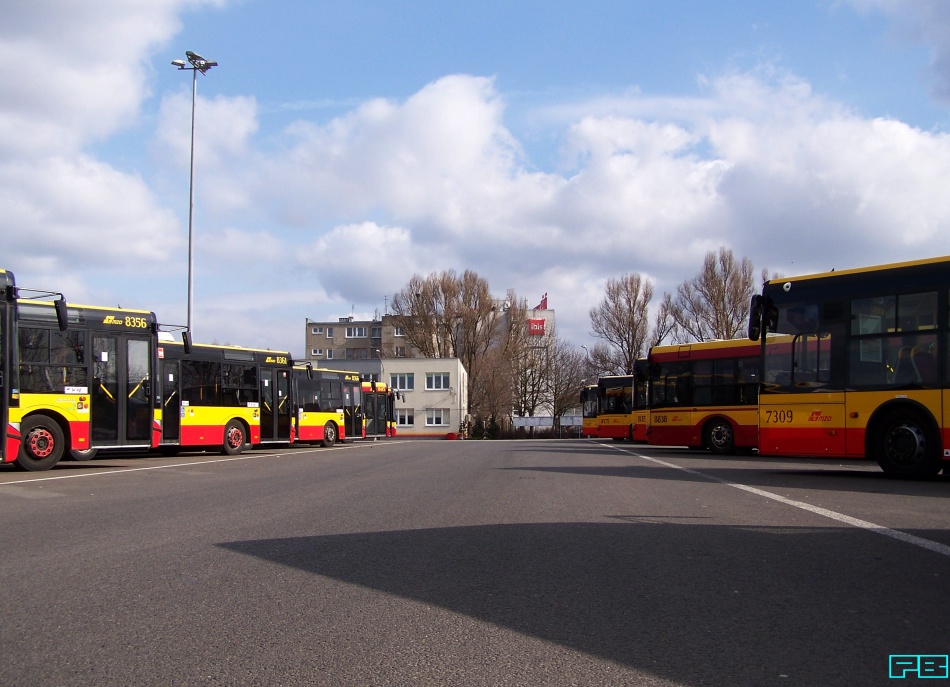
621, 320
664, 325
447, 316
492, 392
715, 303
567, 376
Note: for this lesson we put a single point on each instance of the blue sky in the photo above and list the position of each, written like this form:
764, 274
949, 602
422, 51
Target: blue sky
342, 147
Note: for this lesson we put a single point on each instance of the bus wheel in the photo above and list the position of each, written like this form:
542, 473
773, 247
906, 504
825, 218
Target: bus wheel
43, 444
233, 438
720, 438
329, 434
83, 454
905, 447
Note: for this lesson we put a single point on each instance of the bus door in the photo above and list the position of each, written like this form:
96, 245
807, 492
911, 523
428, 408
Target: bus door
276, 406
382, 414
352, 417
370, 413
171, 402
120, 395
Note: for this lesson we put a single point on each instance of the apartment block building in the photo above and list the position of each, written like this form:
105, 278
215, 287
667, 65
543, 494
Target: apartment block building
331, 344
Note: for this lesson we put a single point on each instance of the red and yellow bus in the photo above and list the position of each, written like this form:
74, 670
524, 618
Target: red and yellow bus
703, 395
10, 445
326, 405
84, 381
224, 397
378, 410
590, 410
10, 401
856, 365
623, 412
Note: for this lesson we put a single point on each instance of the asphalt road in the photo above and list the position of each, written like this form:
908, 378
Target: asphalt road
567, 562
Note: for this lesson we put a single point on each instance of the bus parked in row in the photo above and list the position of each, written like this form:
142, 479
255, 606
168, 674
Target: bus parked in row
704, 395
80, 379
327, 405
45, 437
590, 411
224, 397
856, 365
378, 410
622, 399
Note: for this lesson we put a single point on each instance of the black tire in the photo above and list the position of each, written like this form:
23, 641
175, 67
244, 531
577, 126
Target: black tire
906, 446
234, 438
720, 437
80, 454
43, 444
330, 434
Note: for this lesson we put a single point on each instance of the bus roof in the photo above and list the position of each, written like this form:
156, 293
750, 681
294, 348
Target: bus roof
88, 316
711, 349
861, 270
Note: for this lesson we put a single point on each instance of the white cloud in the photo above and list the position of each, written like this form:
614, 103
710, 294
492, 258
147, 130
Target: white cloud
72, 74
361, 262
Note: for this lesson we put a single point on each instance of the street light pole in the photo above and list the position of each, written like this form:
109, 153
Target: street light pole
381, 370
198, 64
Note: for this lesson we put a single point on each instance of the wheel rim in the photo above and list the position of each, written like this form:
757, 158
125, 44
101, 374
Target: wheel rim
41, 443
906, 444
330, 433
721, 436
235, 437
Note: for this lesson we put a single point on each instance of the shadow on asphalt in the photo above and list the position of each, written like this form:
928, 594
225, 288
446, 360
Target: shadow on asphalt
797, 473
690, 602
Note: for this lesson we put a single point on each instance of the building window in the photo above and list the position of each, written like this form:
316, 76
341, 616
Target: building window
376, 332
329, 354
400, 352
404, 381
316, 330
399, 331
316, 352
357, 353
356, 332
437, 417
405, 417
329, 332
436, 381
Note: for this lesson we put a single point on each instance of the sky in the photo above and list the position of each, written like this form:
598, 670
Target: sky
343, 146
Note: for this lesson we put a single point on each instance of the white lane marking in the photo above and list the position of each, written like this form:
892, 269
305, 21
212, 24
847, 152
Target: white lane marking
174, 465
936, 547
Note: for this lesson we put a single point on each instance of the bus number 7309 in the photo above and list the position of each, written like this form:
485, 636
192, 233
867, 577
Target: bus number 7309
774, 417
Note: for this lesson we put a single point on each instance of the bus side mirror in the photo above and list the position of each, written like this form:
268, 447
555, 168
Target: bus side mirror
186, 340
756, 310
62, 315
